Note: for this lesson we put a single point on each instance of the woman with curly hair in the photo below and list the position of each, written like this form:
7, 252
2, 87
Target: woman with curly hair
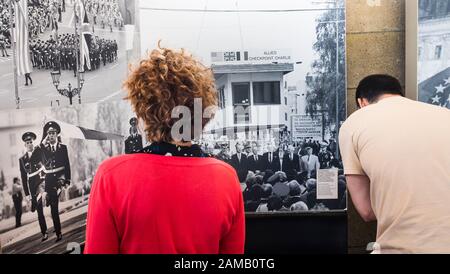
171, 197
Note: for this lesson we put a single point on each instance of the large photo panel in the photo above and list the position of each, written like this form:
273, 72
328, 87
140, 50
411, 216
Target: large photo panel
280, 73
47, 165
65, 51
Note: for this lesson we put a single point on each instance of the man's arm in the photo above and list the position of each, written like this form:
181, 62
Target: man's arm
359, 188
358, 183
67, 170
24, 176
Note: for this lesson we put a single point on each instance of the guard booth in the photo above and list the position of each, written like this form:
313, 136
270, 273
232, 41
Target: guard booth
250, 101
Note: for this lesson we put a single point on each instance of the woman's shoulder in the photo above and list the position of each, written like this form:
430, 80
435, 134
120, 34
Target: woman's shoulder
115, 162
124, 161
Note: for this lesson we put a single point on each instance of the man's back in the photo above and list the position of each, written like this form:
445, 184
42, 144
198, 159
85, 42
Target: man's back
404, 148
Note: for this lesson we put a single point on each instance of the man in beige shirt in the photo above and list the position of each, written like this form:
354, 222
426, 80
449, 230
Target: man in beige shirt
396, 155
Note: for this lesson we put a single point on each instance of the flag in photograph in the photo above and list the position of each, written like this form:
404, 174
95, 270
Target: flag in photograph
436, 90
70, 131
129, 34
21, 37
86, 37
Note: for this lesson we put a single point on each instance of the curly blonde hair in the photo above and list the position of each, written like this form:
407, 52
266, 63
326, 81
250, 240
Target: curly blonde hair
163, 81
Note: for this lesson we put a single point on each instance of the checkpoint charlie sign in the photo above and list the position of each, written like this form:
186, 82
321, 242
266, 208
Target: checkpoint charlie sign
251, 57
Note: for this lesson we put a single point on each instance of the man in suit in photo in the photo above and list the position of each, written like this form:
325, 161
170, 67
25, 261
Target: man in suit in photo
17, 198
255, 160
239, 162
291, 161
310, 162
271, 159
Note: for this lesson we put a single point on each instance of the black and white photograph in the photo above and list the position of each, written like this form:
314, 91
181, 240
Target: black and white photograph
433, 55
279, 70
65, 52
280, 73
48, 163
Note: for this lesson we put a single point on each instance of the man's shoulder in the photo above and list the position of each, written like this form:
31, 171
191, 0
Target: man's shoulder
355, 120
63, 146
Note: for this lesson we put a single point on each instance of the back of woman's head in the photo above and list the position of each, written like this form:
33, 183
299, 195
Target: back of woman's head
165, 80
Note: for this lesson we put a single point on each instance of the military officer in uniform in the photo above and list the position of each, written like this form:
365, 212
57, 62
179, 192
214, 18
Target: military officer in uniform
325, 156
57, 171
133, 143
31, 171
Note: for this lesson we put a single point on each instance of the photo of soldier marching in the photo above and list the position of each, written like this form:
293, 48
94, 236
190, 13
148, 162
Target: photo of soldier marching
52, 159
31, 171
45, 170
74, 38
57, 170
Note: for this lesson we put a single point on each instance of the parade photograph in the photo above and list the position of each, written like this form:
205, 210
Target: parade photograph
281, 92
46, 171
65, 51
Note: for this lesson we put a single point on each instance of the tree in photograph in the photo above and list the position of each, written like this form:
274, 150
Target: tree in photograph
110, 118
327, 78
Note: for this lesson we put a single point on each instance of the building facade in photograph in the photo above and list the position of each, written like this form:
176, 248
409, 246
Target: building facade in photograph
434, 52
434, 38
12, 126
254, 100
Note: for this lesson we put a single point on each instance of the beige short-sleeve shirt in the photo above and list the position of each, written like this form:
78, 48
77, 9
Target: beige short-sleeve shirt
403, 146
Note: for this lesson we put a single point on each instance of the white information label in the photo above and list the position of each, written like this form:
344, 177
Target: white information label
327, 184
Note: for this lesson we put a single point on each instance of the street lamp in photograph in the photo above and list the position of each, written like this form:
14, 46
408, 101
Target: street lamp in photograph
68, 92
71, 92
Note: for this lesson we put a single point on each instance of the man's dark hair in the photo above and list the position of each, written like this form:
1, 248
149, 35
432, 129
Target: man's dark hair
256, 193
274, 203
374, 86
15, 180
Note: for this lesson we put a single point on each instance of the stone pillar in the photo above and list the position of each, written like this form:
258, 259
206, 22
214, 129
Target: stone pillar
375, 44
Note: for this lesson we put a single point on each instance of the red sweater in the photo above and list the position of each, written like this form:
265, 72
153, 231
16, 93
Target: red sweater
153, 204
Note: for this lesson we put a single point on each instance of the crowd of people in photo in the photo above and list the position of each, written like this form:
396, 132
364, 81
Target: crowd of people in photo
104, 13
61, 52
5, 35
284, 177
42, 15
